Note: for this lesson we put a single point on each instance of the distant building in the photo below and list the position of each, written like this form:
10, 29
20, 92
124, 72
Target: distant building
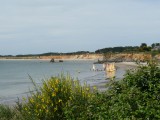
156, 48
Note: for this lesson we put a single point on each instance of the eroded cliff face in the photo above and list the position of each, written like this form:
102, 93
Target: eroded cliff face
118, 57
114, 57
74, 57
129, 57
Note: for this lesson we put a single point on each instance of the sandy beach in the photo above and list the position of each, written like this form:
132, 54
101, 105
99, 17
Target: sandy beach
121, 66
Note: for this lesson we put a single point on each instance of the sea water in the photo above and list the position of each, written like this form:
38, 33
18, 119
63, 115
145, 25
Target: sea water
15, 81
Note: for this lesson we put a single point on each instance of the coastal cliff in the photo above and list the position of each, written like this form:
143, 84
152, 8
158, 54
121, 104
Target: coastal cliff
114, 57
120, 57
74, 57
108, 57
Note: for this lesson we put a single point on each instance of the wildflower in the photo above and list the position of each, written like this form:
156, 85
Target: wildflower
87, 89
95, 88
60, 100
53, 94
37, 105
31, 100
57, 81
42, 100
56, 89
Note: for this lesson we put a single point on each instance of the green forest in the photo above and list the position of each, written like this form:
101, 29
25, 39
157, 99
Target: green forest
142, 48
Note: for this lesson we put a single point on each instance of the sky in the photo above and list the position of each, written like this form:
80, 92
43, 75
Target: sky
40, 26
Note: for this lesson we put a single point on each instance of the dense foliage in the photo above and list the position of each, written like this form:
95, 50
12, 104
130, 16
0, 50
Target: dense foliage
136, 96
142, 48
118, 49
58, 98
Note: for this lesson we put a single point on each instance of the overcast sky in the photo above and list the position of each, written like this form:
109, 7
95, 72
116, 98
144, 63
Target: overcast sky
39, 26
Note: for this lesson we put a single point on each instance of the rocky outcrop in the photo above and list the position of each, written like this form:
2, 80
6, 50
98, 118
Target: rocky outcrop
127, 57
157, 57
52, 60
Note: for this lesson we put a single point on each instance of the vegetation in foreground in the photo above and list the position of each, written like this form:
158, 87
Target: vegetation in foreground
137, 96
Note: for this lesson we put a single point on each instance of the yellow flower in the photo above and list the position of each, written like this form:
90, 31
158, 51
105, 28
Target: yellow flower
53, 94
56, 89
57, 81
95, 88
87, 89
59, 100
31, 100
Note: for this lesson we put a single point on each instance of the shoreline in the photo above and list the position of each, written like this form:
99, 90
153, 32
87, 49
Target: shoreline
54, 59
100, 84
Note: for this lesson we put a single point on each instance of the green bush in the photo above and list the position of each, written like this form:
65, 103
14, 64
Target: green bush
6, 113
58, 98
137, 96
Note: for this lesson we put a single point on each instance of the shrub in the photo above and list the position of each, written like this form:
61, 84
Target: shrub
137, 96
6, 113
58, 98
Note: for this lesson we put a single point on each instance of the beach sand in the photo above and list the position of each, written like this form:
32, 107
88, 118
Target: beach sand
121, 66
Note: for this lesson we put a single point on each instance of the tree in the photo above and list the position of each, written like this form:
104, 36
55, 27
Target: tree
153, 45
157, 44
144, 47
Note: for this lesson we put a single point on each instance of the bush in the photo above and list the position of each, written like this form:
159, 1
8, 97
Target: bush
137, 96
6, 113
58, 98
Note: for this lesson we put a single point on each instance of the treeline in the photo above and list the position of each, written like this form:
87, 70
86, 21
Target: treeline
54, 53
142, 48
117, 49
155, 48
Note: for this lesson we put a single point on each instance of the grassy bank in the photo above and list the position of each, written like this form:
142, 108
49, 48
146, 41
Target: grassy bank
136, 96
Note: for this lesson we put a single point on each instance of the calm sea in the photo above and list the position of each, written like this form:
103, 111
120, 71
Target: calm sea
15, 82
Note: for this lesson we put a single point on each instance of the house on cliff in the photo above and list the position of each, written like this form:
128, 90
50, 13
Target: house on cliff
156, 48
